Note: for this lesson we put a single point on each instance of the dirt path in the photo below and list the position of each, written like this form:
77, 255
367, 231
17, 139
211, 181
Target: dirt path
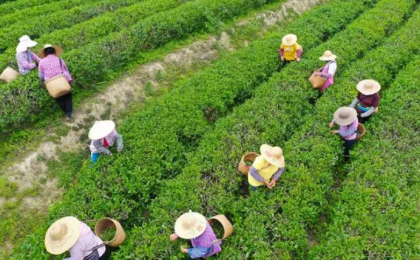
131, 88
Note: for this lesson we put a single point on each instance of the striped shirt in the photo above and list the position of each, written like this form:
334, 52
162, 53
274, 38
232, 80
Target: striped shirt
49, 67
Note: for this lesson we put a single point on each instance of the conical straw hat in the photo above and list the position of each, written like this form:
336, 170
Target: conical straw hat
368, 87
328, 56
190, 225
273, 155
345, 115
289, 39
101, 129
62, 235
58, 50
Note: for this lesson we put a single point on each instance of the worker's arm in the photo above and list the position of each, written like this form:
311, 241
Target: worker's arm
354, 103
278, 174
119, 142
368, 113
99, 147
254, 173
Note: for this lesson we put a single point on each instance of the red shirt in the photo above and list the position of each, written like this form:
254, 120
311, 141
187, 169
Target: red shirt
368, 101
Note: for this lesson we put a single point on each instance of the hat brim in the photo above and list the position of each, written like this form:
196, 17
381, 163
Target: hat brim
276, 162
328, 58
58, 51
347, 121
23, 46
196, 231
376, 87
101, 129
71, 237
291, 42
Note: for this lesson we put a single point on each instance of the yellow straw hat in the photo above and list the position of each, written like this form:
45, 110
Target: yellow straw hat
62, 235
368, 87
190, 225
101, 129
345, 115
273, 155
328, 56
58, 50
289, 39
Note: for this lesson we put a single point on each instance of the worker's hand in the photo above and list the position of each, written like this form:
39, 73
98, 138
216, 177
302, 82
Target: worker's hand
281, 58
331, 125
184, 250
297, 59
119, 150
110, 154
173, 237
268, 184
334, 132
273, 183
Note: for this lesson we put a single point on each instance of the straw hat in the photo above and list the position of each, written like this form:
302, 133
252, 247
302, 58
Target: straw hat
190, 225
273, 155
24, 43
368, 87
289, 39
62, 235
345, 115
58, 50
101, 129
328, 56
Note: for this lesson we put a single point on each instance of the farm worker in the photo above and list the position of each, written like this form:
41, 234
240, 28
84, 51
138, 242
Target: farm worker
25, 58
346, 118
194, 226
290, 50
70, 234
267, 168
328, 71
50, 66
367, 99
103, 135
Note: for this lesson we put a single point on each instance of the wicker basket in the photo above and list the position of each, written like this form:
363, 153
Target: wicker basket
227, 226
9, 74
376, 110
361, 132
109, 223
242, 167
57, 86
317, 81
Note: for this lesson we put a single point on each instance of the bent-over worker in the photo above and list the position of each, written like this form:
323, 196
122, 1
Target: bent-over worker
328, 71
194, 226
367, 99
26, 59
49, 67
103, 135
70, 234
346, 118
290, 50
267, 168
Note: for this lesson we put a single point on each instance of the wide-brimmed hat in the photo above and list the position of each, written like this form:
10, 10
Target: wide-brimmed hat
368, 87
289, 39
25, 42
62, 235
190, 225
101, 129
58, 50
328, 56
345, 115
273, 155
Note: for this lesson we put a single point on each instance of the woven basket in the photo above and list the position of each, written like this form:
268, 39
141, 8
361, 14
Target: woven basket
109, 223
227, 226
242, 167
317, 81
361, 132
58, 86
9, 74
376, 110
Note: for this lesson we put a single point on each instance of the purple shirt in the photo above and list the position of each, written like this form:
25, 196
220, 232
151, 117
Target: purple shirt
49, 67
348, 132
25, 61
203, 245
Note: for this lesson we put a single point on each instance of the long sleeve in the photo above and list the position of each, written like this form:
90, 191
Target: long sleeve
35, 57
99, 147
299, 53
254, 173
278, 174
351, 129
66, 71
355, 102
23, 61
197, 252
281, 52
368, 113
119, 142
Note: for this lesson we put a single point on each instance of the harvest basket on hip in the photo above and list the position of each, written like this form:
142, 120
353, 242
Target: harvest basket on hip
58, 86
9, 74
111, 232
317, 81
246, 162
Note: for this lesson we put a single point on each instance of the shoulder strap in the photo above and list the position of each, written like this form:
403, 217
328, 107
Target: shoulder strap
96, 247
61, 66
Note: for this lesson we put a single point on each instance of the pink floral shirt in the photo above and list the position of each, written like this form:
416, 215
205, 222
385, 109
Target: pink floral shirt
49, 67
